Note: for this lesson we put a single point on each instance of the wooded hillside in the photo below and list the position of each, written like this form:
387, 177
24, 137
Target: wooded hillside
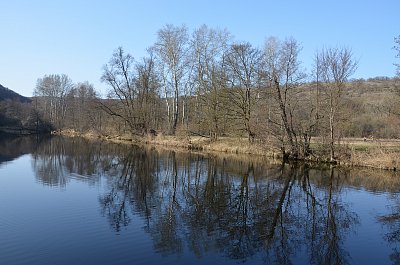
18, 114
8, 94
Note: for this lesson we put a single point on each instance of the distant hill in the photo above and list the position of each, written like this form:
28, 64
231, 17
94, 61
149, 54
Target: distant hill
6, 93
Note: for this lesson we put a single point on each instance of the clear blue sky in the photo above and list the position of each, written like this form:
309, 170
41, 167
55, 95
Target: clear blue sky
78, 37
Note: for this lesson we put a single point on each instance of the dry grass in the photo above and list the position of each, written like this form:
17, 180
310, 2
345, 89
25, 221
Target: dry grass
375, 153
377, 157
223, 144
382, 154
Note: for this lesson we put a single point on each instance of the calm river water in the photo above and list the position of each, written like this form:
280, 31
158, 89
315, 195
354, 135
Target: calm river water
71, 201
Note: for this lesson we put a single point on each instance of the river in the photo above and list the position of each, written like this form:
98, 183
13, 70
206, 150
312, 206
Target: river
74, 201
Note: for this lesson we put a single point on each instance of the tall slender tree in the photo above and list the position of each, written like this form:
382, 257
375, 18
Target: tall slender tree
172, 50
335, 65
396, 47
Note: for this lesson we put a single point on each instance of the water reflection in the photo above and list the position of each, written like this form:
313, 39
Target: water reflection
392, 222
238, 208
131, 177
12, 147
60, 160
211, 204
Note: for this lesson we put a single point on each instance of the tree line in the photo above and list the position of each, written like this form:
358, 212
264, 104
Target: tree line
206, 83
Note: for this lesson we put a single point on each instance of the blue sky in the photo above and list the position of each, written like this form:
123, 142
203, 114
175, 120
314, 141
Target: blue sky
78, 37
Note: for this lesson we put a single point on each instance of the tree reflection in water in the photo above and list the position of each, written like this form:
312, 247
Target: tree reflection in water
12, 147
392, 221
60, 160
131, 179
229, 205
239, 208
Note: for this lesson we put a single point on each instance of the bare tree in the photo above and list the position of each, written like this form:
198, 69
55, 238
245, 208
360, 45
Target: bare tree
397, 49
243, 73
208, 47
82, 106
172, 48
284, 73
335, 65
119, 75
148, 85
53, 90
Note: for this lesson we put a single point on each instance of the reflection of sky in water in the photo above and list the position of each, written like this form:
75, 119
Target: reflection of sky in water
47, 221
366, 245
49, 225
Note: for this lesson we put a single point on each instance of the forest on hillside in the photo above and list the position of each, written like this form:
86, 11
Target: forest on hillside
19, 116
205, 83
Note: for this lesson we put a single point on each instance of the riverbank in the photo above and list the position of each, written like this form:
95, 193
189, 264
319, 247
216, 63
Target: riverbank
374, 153
379, 153
197, 143
19, 131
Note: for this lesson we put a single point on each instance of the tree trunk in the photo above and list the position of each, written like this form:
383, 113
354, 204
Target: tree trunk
176, 103
332, 139
294, 153
331, 129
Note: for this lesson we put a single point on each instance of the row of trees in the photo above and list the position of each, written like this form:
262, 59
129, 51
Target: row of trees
209, 82
65, 104
206, 83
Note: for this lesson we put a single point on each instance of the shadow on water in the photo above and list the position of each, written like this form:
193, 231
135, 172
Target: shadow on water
205, 203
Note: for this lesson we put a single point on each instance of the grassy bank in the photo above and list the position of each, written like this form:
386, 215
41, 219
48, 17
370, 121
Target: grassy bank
382, 154
224, 144
377, 153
